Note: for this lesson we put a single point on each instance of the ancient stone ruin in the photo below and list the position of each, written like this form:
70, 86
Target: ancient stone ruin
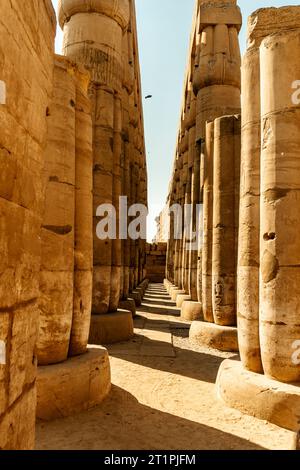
244, 296
72, 153
72, 139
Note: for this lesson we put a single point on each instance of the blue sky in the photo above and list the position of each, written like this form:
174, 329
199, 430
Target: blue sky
164, 29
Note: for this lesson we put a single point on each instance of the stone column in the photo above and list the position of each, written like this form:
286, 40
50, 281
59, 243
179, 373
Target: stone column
268, 271
26, 51
195, 200
218, 68
279, 321
186, 188
83, 252
248, 258
194, 168
226, 191
208, 172
115, 288
215, 69
57, 264
260, 24
95, 38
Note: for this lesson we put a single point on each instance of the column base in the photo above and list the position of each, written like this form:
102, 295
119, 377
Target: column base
191, 311
111, 328
128, 304
257, 395
175, 293
144, 285
169, 287
223, 338
182, 298
137, 297
17, 425
76, 385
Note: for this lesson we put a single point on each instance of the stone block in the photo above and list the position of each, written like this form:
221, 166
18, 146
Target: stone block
73, 386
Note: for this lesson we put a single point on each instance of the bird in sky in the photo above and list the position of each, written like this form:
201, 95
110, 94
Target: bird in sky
148, 97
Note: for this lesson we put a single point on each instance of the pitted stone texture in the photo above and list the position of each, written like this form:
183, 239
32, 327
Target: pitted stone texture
128, 304
26, 56
191, 311
73, 386
176, 292
111, 328
223, 338
181, 299
137, 297
259, 396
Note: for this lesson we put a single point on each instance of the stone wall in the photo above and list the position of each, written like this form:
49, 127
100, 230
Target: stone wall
26, 67
156, 261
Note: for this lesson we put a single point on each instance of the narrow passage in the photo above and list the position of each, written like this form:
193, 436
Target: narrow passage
163, 396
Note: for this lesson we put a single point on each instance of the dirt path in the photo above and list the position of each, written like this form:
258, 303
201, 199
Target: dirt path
163, 396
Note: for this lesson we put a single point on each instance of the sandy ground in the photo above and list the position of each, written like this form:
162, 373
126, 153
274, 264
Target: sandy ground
163, 396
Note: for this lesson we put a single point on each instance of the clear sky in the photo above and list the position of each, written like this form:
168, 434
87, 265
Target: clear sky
164, 28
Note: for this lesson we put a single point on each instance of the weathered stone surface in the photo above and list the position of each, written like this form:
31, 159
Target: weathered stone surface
212, 89
191, 311
104, 39
259, 396
248, 256
223, 338
74, 386
181, 299
156, 262
280, 212
26, 62
17, 425
111, 328
83, 249
176, 292
128, 304
58, 238
261, 23
206, 271
227, 151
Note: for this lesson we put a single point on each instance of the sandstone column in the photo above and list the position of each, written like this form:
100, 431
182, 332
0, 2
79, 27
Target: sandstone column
260, 24
226, 191
83, 253
194, 167
280, 208
26, 51
208, 175
218, 70
57, 267
217, 80
95, 38
268, 271
214, 69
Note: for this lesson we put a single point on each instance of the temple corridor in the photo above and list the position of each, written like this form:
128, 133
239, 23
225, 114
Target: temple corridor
163, 396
